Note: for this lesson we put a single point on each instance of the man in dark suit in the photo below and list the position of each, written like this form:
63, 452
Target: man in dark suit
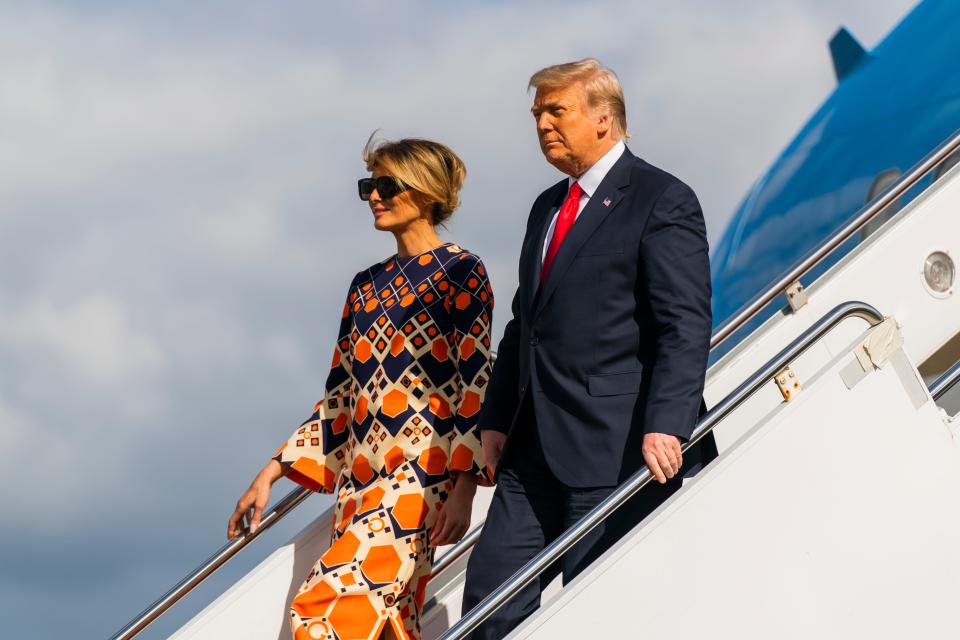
601, 369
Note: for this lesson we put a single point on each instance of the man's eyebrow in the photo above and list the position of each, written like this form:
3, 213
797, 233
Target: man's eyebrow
547, 105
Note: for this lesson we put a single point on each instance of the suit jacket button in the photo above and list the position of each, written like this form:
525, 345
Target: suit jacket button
534, 341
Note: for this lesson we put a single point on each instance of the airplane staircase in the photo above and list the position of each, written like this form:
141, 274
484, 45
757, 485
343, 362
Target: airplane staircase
830, 510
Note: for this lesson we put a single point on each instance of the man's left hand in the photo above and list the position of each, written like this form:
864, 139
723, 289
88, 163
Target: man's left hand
662, 454
492, 442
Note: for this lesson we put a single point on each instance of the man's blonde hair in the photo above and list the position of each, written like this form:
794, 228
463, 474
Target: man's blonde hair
426, 166
601, 85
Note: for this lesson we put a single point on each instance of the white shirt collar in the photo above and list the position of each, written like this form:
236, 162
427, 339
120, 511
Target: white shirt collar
592, 177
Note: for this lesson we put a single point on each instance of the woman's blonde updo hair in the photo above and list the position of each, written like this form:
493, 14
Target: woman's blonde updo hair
428, 167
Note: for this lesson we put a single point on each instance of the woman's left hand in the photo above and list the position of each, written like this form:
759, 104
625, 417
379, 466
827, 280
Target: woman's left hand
454, 518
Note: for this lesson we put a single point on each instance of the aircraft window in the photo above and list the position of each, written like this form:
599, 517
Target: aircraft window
946, 165
881, 183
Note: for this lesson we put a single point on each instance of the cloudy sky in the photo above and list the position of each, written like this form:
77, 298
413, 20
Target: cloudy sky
178, 223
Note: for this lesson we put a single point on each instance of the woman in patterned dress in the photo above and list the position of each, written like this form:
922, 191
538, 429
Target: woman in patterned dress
395, 435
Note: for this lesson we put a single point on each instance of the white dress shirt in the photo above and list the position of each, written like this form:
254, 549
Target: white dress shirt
589, 182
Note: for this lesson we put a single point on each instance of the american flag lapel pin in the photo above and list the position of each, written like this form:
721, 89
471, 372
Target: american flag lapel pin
606, 202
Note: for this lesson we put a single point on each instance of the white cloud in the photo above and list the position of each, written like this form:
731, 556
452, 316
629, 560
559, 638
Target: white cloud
243, 230
97, 95
14, 428
92, 336
179, 219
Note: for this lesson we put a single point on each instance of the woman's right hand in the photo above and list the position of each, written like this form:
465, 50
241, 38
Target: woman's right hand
253, 501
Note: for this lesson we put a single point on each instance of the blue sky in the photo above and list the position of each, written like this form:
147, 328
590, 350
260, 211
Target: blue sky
178, 223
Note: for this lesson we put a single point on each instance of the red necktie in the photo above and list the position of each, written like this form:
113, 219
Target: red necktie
568, 214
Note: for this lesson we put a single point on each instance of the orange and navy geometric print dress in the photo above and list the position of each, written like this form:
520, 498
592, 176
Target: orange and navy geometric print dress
400, 413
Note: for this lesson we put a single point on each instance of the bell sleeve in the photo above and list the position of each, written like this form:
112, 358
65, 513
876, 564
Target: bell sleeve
471, 307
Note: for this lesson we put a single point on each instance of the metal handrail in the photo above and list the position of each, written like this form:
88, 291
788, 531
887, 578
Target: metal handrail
937, 389
231, 548
945, 382
641, 478
457, 551
286, 504
724, 331
211, 564
907, 181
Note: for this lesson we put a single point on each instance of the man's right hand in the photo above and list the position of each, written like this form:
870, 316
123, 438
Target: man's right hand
492, 442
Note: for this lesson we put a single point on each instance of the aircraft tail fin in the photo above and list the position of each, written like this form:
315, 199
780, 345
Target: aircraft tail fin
847, 53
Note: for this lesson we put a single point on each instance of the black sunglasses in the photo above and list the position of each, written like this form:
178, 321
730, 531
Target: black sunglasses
386, 186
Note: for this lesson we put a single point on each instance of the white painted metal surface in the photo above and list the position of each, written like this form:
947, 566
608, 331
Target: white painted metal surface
886, 272
835, 517
256, 606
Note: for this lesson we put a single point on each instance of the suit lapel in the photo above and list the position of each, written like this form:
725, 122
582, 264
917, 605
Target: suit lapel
603, 201
534, 258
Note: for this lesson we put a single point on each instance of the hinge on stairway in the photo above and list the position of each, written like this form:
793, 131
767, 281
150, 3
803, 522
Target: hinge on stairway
788, 383
796, 295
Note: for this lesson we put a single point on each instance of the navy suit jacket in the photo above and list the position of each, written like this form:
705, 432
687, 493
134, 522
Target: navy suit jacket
615, 343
